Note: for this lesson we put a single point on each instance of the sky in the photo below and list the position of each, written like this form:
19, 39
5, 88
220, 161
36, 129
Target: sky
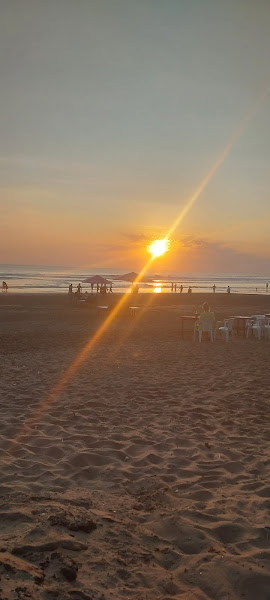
111, 114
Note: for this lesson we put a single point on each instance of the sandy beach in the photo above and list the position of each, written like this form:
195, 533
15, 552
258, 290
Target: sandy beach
145, 474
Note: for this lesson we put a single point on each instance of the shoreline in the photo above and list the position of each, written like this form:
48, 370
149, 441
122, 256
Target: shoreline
168, 292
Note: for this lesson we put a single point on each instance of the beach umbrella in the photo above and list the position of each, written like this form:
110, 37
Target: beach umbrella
96, 279
130, 277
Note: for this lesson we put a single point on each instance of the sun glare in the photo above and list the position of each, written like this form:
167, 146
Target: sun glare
158, 247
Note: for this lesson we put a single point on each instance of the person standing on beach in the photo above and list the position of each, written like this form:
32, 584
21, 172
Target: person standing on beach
189, 290
181, 289
79, 288
228, 290
70, 289
214, 288
4, 287
172, 288
267, 287
134, 290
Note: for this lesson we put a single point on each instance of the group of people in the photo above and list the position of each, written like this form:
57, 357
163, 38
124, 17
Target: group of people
214, 289
181, 288
102, 289
189, 291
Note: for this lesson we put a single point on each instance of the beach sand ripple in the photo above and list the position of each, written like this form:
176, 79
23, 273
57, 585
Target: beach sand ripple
147, 477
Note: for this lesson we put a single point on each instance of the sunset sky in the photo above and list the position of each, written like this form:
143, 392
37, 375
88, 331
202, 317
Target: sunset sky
111, 114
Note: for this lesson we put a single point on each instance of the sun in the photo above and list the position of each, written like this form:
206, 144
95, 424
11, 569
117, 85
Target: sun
158, 247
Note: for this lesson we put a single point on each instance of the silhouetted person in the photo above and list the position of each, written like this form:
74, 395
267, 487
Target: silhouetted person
4, 287
214, 288
172, 288
228, 290
181, 289
189, 290
175, 287
70, 289
79, 288
134, 289
267, 287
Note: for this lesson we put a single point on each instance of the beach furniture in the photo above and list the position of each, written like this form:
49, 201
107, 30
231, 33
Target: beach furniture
227, 329
189, 320
133, 310
205, 326
102, 309
256, 326
267, 329
82, 302
257, 317
240, 324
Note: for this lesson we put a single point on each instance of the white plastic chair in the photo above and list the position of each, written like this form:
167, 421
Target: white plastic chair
204, 326
227, 329
267, 329
257, 327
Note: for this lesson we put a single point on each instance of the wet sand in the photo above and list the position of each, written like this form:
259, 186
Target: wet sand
145, 476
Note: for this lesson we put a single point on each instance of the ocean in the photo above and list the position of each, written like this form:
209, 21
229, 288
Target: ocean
45, 279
